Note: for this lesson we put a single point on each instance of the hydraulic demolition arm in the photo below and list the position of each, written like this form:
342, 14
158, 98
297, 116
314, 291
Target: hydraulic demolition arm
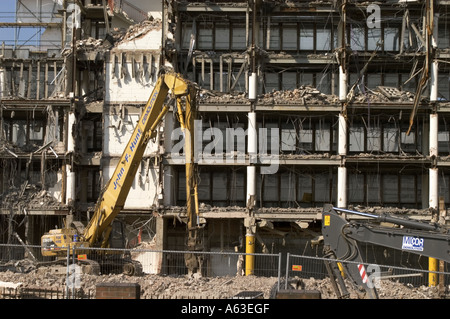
112, 199
343, 239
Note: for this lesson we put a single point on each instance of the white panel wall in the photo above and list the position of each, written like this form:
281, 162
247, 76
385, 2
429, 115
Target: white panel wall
132, 69
117, 133
131, 73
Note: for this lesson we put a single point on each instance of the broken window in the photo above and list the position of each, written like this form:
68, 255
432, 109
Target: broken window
274, 37
444, 86
288, 80
270, 140
288, 189
324, 187
289, 37
390, 138
20, 128
390, 189
272, 82
408, 190
323, 136
205, 36
222, 36
391, 39
323, 39
304, 191
306, 78
220, 188
204, 187
356, 188
305, 136
288, 137
373, 189
444, 186
307, 37
391, 79
408, 142
356, 138
373, 139
357, 42
236, 180
238, 37
373, 80
271, 190
186, 32
444, 33
373, 38
444, 138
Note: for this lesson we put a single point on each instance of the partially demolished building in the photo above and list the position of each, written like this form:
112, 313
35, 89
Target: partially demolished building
300, 104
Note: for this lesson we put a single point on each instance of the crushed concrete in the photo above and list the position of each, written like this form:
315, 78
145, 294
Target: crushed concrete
309, 95
32, 197
184, 287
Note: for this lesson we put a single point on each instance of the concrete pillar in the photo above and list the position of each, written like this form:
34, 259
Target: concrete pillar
433, 138
2, 83
433, 171
434, 174
342, 84
85, 82
70, 137
342, 170
434, 203
433, 188
252, 88
434, 81
342, 131
252, 153
342, 187
70, 174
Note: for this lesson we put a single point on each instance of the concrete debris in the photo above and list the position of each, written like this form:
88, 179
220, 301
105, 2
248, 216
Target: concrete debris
308, 95
303, 95
116, 36
32, 197
223, 98
184, 287
384, 94
137, 30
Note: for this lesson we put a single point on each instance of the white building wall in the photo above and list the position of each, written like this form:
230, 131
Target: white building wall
131, 73
132, 69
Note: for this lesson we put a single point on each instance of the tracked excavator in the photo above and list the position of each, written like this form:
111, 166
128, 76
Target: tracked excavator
343, 239
60, 243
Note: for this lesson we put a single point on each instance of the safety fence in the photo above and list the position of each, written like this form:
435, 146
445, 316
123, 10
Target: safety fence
23, 259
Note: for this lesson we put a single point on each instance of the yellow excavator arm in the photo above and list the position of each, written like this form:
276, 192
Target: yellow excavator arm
112, 199
116, 191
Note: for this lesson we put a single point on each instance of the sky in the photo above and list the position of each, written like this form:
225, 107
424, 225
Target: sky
7, 13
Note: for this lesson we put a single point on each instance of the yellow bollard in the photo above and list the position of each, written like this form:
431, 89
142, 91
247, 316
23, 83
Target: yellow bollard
432, 277
249, 249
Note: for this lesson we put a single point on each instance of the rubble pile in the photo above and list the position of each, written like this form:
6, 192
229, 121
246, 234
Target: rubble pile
383, 94
309, 95
31, 197
184, 287
302, 95
222, 98
136, 30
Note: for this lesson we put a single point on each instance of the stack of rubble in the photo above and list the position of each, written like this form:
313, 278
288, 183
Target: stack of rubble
384, 94
303, 95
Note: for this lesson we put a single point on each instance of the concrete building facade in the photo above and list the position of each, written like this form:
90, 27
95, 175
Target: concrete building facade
300, 104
